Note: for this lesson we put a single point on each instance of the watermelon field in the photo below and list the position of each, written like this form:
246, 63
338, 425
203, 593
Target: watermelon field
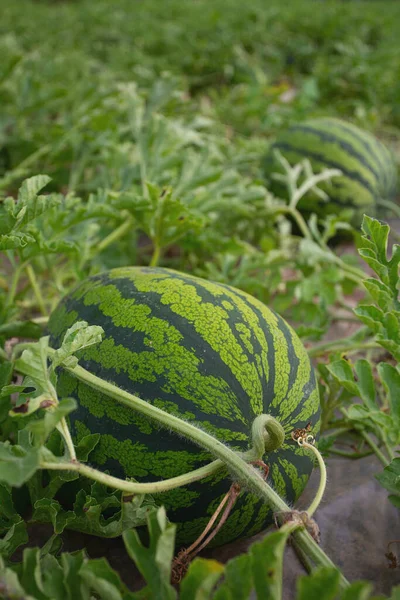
199, 300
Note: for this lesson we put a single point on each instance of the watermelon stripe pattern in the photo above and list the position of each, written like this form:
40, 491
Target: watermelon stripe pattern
368, 169
206, 352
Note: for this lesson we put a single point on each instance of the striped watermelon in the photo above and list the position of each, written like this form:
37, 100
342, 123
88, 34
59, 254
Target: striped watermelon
203, 351
368, 169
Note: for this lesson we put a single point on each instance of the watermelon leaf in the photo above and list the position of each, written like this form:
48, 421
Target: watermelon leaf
366, 384
77, 337
359, 590
24, 329
91, 508
33, 363
389, 478
200, 579
384, 318
166, 219
360, 383
86, 445
42, 428
390, 377
374, 252
102, 580
323, 584
154, 562
15, 537
6, 371
11, 524
29, 205
17, 463
50, 510
342, 371
238, 580
267, 564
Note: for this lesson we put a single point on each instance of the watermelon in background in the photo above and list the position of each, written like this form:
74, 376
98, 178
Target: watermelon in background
206, 352
369, 174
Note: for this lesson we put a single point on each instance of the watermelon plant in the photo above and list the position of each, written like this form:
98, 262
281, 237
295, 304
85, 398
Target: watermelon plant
366, 176
206, 352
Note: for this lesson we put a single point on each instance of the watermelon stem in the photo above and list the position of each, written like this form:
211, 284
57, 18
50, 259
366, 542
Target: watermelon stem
164, 485
156, 254
352, 273
245, 474
375, 448
342, 345
311, 183
352, 455
12, 289
304, 443
66, 434
235, 462
36, 289
133, 487
267, 435
293, 212
116, 234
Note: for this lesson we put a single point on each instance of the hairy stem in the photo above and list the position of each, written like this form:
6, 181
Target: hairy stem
311, 182
155, 487
389, 450
12, 290
297, 217
375, 448
353, 455
115, 235
322, 484
156, 254
131, 486
303, 558
36, 289
66, 434
341, 346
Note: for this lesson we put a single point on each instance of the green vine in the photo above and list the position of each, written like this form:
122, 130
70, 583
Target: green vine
245, 474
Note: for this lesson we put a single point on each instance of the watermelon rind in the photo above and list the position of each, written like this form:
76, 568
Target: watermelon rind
369, 173
206, 352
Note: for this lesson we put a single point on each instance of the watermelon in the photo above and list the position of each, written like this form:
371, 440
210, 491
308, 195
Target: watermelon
206, 352
368, 170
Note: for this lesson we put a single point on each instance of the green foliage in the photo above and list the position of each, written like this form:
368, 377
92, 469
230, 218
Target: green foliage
151, 130
42, 575
390, 480
154, 562
376, 383
43, 436
383, 317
